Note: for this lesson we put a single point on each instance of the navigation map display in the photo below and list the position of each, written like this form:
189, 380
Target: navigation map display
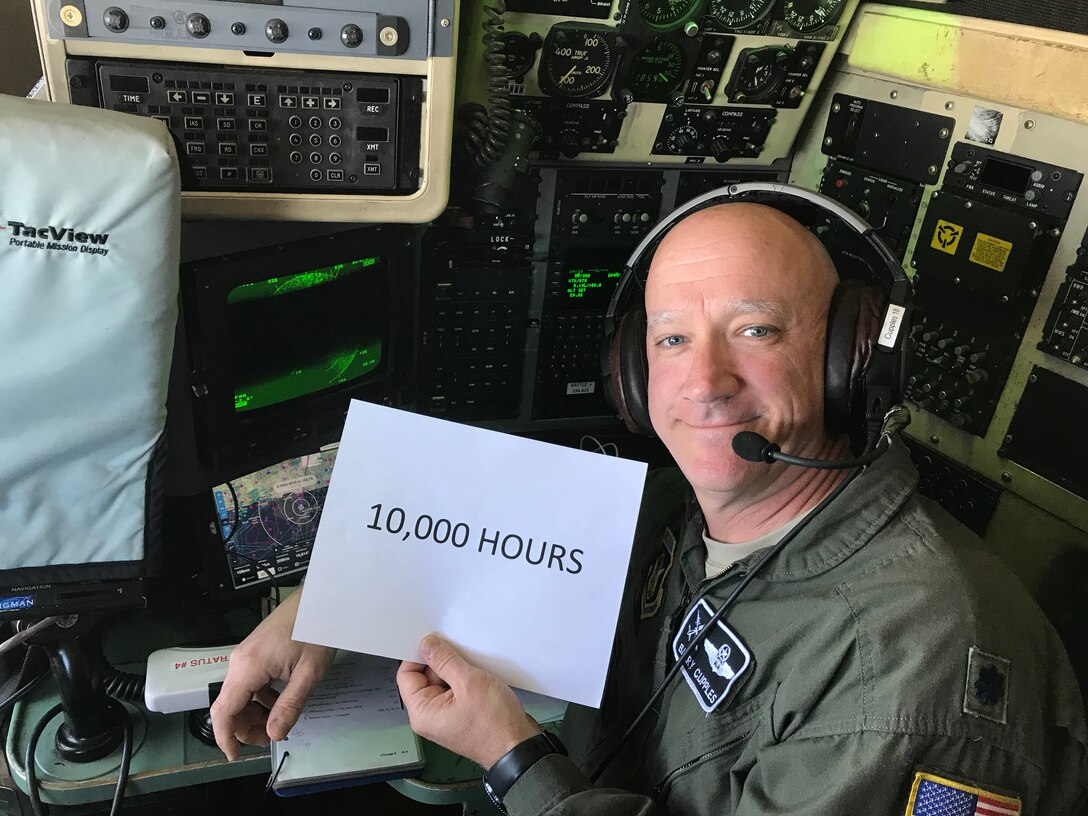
268, 519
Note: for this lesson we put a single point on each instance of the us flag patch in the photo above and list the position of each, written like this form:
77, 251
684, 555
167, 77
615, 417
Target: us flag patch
936, 796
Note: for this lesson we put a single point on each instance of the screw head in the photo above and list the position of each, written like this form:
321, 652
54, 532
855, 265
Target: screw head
949, 105
1029, 124
894, 94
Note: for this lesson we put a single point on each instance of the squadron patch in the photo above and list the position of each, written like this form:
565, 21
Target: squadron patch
986, 691
933, 795
712, 663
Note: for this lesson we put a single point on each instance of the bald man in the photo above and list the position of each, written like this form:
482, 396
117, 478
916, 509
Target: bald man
878, 664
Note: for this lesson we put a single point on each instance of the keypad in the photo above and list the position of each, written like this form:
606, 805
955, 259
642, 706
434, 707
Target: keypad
293, 130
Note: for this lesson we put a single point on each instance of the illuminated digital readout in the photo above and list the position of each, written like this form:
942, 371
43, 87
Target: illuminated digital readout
591, 282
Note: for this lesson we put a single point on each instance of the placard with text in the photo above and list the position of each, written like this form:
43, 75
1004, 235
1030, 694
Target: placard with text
516, 550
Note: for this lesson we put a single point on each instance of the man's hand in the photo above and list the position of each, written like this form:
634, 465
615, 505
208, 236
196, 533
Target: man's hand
268, 653
461, 707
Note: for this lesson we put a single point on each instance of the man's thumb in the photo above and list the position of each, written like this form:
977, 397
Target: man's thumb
443, 659
288, 706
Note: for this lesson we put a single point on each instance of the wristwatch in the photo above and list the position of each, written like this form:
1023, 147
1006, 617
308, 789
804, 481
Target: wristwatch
500, 777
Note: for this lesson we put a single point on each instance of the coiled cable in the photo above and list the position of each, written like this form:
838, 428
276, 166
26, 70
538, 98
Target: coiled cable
489, 130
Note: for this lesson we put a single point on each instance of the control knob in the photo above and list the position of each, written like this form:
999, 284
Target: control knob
683, 139
721, 148
568, 144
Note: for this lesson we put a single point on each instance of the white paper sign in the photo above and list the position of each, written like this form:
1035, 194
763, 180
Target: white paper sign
515, 550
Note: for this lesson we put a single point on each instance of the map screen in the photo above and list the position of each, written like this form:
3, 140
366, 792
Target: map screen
275, 523
302, 333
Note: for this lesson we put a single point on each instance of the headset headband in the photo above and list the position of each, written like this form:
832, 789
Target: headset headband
760, 192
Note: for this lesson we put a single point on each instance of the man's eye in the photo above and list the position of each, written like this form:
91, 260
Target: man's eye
671, 340
757, 331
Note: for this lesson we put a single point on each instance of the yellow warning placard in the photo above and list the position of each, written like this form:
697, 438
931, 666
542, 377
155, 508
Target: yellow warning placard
946, 237
990, 252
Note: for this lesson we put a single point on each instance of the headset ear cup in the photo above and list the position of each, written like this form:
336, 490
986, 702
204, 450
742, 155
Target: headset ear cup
627, 372
853, 322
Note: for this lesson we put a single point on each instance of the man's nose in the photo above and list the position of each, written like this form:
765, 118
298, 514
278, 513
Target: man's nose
713, 373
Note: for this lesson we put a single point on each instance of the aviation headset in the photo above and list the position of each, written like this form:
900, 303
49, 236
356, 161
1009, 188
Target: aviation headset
866, 352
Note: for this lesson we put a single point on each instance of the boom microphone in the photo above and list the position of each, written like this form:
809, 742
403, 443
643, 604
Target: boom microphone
757, 448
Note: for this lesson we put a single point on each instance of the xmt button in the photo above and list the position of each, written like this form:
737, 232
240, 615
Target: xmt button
276, 30
115, 19
198, 25
351, 35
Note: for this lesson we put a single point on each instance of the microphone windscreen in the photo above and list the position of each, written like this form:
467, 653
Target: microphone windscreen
751, 446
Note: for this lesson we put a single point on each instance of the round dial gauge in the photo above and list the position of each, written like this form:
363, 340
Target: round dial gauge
665, 15
737, 14
519, 51
656, 70
809, 15
575, 62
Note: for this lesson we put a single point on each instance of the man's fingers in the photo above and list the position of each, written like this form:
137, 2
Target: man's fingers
443, 659
234, 696
411, 680
267, 697
288, 706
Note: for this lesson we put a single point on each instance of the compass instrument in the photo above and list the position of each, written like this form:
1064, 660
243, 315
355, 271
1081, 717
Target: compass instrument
576, 62
734, 15
656, 71
809, 15
665, 15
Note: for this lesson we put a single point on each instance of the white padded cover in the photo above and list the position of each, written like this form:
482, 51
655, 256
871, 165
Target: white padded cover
89, 233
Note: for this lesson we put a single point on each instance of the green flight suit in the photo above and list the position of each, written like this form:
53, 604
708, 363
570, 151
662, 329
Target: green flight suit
859, 633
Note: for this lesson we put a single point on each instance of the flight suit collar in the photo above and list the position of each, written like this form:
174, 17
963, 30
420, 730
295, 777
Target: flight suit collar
840, 530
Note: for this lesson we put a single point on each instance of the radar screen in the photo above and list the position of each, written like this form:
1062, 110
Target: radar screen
268, 519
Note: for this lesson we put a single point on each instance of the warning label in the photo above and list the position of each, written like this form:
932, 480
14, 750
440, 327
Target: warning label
946, 237
990, 252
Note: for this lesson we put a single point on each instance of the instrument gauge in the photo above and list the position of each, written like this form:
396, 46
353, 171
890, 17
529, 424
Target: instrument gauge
656, 71
518, 51
576, 63
808, 15
665, 15
738, 14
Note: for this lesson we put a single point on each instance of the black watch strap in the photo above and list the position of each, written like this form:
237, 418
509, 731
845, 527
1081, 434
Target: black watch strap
500, 777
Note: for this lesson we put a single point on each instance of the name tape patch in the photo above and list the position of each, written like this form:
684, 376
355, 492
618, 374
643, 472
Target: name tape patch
713, 663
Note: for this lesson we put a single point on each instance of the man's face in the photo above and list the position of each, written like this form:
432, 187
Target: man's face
736, 305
